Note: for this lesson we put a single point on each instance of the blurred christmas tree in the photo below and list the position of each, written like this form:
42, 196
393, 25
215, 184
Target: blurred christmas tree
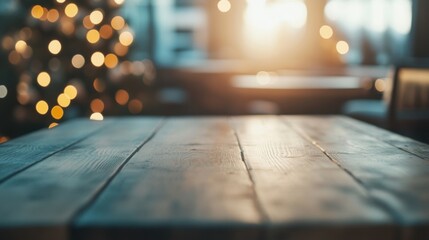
70, 57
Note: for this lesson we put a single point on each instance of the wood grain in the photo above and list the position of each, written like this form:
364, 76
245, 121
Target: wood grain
302, 191
396, 178
188, 182
44, 198
25, 151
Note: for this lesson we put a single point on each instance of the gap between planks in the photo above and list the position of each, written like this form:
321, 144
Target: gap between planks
106, 184
391, 211
258, 204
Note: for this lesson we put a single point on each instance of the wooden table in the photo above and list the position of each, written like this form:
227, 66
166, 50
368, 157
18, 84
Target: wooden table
253, 177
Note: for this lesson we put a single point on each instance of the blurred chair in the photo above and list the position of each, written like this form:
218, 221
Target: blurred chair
405, 104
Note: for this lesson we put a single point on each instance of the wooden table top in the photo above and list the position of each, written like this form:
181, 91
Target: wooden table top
251, 177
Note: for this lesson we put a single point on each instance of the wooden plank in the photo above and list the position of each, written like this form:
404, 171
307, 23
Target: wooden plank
304, 194
407, 144
395, 178
23, 152
188, 182
44, 198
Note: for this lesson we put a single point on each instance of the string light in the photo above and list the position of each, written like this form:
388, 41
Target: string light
97, 105
122, 97
111, 60
63, 100
37, 11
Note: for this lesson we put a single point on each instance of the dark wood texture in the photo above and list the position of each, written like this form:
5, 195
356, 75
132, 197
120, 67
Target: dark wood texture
253, 177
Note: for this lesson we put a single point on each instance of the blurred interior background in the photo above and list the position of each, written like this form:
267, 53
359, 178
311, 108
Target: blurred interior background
62, 59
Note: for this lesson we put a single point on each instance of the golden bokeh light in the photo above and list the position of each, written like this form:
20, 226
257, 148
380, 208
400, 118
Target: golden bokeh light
61, 1
98, 85
42, 107
87, 23
96, 17
70, 91
54, 47
97, 59
106, 31
78, 61
37, 11
53, 15
135, 106
67, 26
380, 85
14, 57
111, 60
263, 78
119, 2
122, 97
326, 32
20, 46
57, 112
117, 22
7, 42
96, 116
97, 105
63, 100
52, 125
3, 139
342, 47
120, 49
43, 79
126, 38
93, 36
71, 10
224, 6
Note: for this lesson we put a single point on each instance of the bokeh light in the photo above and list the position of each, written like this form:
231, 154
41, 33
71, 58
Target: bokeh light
380, 85
326, 32
43, 79
135, 106
53, 15
3, 91
37, 11
63, 100
97, 105
78, 61
54, 47
122, 97
342, 47
20, 46
71, 10
57, 112
96, 116
96, 17
117, 22
42, 107
111, 60
97, 59
224, 6
126, 38
70, 91
52, 125
93, 36
106, 31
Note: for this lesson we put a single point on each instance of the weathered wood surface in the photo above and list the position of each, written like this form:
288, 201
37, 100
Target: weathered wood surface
253, 177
